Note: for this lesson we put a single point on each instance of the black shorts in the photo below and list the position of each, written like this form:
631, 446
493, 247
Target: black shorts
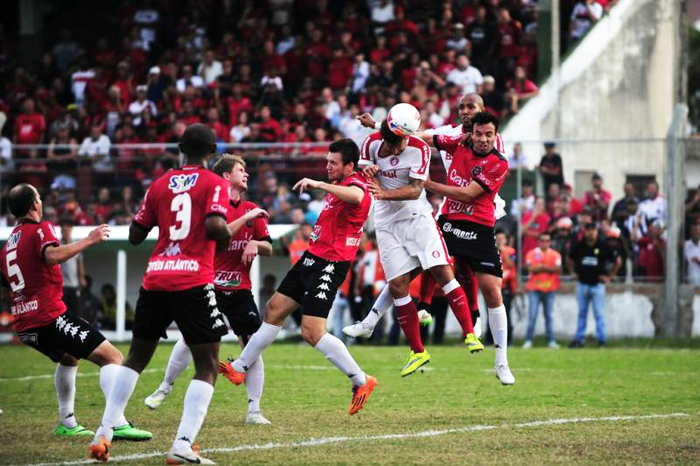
194, 311
473, 243
67, 334
241, 311
313, 283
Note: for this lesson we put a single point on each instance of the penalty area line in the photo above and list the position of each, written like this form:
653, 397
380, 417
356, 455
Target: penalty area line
315, 442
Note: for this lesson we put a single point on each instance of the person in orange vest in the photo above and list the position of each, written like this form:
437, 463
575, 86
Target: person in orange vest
544, 265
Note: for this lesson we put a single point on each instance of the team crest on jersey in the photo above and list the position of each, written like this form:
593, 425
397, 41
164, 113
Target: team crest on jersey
13, 240
476, 171
394, 161
182, 183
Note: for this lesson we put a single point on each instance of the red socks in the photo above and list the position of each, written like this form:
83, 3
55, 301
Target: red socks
408, 320
459, 306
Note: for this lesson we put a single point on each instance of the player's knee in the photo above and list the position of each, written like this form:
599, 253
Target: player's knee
398, 288
311, 334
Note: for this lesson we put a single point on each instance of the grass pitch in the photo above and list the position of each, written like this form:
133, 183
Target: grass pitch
455, 412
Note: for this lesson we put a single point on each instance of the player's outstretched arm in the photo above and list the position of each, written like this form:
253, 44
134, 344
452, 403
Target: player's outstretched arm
349, 194
237, 224
460, 193
405, 193
58, 254
137, 233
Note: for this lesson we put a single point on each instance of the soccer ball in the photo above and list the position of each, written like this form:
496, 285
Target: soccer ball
403, 119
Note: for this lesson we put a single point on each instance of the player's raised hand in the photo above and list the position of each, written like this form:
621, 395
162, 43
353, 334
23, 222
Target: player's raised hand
366, 120
306, 183
249, 253
255, 213
370, 171
99, 234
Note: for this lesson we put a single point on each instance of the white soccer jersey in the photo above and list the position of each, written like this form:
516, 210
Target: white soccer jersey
396, 172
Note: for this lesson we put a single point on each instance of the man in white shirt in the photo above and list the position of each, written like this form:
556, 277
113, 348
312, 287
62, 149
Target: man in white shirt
584, 14
466, 76
692, 255
360, 73
96, 148
141, 105
210, 69
79, 81
189, 79
654, 206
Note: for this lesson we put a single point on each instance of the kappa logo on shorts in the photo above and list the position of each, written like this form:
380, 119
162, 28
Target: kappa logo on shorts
215, 313
322, 295
83, 335
29, 338
324, 286
326, 278
217, 323
330, 268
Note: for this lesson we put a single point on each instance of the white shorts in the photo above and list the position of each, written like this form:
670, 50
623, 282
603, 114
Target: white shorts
409, 244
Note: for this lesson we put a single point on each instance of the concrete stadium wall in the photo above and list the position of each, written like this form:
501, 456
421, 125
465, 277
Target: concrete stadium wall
618, 83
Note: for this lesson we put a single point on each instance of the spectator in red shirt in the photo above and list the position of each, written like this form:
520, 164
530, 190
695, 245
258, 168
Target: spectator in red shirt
380, 52
520, 89
340, 70
597, 199
220, 130
535, 222
270, 130
30, 125
652, 252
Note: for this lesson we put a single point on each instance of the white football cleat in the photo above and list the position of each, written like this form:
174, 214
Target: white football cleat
504, 374
256, 417
553, 345
359, 329
186, 457
477, 327
527, 344
156, 399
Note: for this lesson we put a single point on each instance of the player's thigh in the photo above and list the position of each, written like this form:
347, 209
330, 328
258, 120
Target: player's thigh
153, 315
279, 307
77, 337
240, 310
322, 287
197, 315
395, 257
425, 241
490, 286
106, 353
312, 328
399, 286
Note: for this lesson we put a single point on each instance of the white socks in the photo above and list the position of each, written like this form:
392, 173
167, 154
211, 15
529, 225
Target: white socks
123, 385
107, 375
179, 359
337, 353
381, 305
64, 380
498, 324
197, 400
254, 381
260, 340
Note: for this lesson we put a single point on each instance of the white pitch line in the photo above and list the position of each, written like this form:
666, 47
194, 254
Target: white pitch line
315, 442
51, 376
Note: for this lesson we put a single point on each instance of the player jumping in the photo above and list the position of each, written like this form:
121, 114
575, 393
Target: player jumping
189, 206
315, 278
232, 285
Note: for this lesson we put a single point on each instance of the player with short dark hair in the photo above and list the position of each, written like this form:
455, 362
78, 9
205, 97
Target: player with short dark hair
189, 207
314, 280
32, 285
234, 297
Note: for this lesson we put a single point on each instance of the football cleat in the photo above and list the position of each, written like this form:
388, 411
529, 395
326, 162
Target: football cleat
473, 343
157, 398
361, 393
359, 329
129, 432
414, 362
527, 344
99, 449
187, 457
63, 431
226, 369
553, 345
424, 318
256, 417
504, 374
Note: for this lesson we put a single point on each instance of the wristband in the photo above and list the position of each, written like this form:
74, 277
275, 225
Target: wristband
377, 125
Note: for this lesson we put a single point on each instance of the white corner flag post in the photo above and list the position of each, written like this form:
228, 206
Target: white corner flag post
121, 295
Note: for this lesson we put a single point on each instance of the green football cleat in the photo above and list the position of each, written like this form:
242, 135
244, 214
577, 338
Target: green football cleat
77, 431
414, 361
129, 432
473, 343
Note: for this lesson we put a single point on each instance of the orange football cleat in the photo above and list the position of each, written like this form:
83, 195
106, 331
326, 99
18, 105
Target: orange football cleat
360, 394
227, 370
99, 451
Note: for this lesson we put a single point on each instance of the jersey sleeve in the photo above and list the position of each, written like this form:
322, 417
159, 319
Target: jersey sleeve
145, 217
493, 175
420, 163
446, 143
365, 155
261, 231
47, 236
217, 198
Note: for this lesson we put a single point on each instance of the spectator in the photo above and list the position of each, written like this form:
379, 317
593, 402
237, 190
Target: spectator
652, 252
534, 223
597, 199
482, 36
519, 89
29, 129
72, 270
142, 106
589, 260
156, 85
108, 309
457, 41
360, 74
96, 148
544, 265
562, 240
188, 79
89, 304
620, 248
300, 243
241, 129
551, 166
270, 130
619, 212
465, 76
6, 163
80, 80
210, 68
691, 251
494, 99
63, 153
525, 203
585, 14
692, 209
654, 206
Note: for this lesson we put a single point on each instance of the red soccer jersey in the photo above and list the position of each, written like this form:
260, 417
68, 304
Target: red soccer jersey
337, 232
230, 273
37, 287
178, 203
489, 171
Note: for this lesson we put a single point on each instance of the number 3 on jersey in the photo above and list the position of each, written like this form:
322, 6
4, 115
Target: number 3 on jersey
182, 204
14, 271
